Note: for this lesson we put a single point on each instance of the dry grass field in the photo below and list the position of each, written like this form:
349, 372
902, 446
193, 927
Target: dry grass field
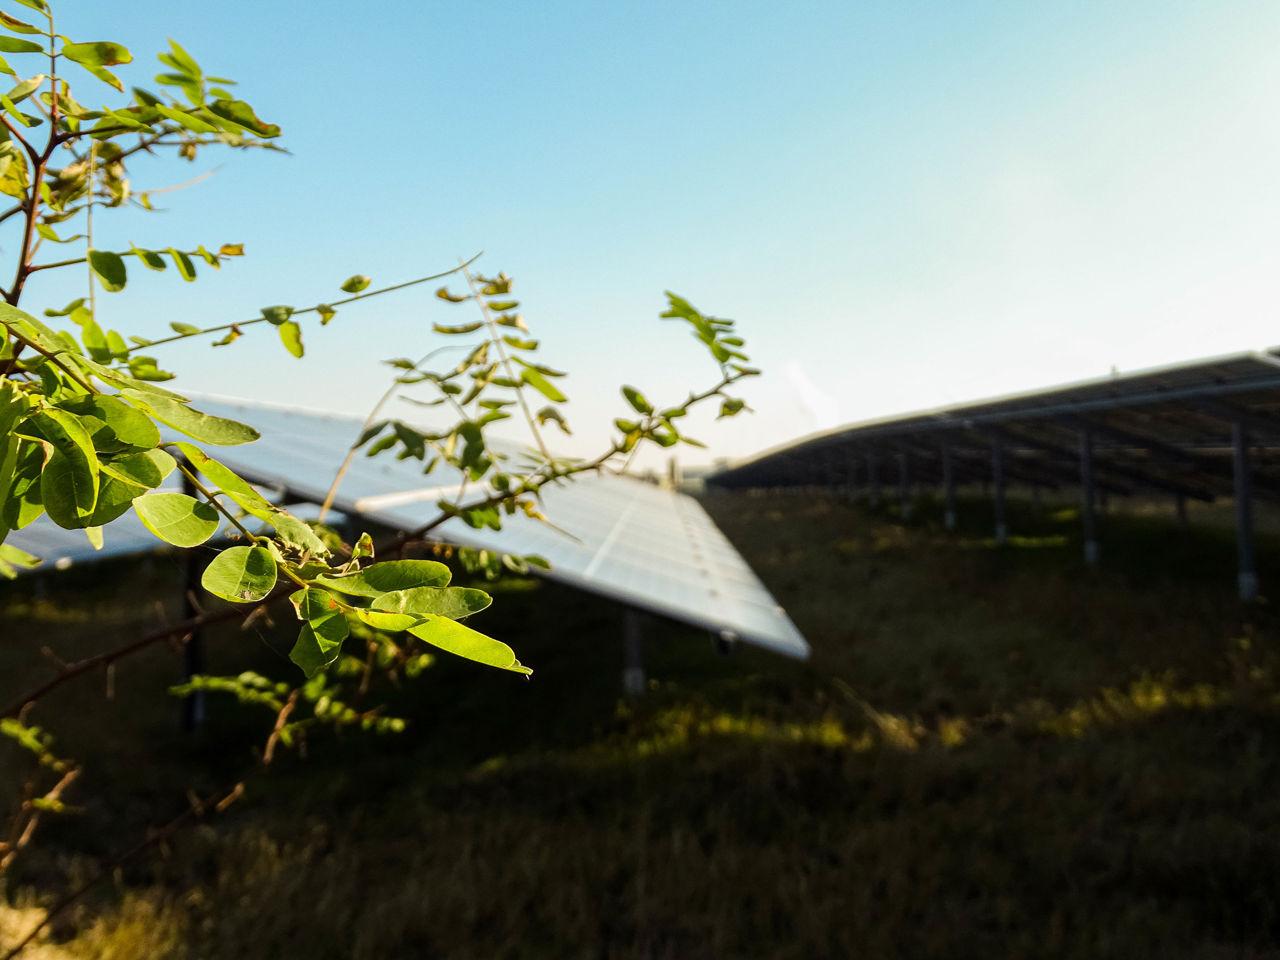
994, 752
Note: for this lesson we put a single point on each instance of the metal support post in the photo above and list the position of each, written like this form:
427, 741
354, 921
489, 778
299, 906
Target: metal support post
948, 490
1248, 576
904, 486
997, 485
1087, 496
633, 679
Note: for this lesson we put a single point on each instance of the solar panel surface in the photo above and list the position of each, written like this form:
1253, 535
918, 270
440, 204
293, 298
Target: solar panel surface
617, 536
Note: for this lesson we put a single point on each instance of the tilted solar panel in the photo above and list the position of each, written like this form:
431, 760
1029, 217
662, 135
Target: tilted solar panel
617, 536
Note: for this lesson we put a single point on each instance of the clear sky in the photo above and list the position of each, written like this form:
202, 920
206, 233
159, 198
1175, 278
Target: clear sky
903, 204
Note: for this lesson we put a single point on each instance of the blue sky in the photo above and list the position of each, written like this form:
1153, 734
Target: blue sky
902, 204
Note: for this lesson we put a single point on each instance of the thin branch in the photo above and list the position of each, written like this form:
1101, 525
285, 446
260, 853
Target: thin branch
368, 422
36, 267
315, 308
496, 339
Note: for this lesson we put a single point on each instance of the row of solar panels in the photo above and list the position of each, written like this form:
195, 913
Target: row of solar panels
616, 536
1166, 430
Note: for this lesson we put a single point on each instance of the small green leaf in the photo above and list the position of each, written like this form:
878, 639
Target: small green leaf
326, 312
14, 45
389, 576
542, 385
177, 518
637, 400
109, 268
456, 603
201, 426
356, 284
147, 469
444, 294
291, 337
502, 306
465, 642
186, 329
101, 53
240, 114
16, 25
114, 426
460, 328
363, 547
320, 640
186, 269
241, 574
277, 315
150, 259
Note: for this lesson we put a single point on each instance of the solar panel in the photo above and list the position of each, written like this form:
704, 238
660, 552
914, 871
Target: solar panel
616, 536
1166, 429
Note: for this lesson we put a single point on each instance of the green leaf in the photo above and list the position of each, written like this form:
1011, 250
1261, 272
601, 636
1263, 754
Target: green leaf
291, 337
106, 76
456, 603
16, 25
390, 622
14, 45
241, 574
288, 527
188, 120
23, 503
356, 284
11, 557
201, 426
240, 114
120, 380
637, 400
186, 269
389, 576
25, 88
99, 53
320, 640
186, 329
326, 312
114, 426
144, 368
731, 406
277, 315
68, 491
459, 328
444, 294
150, 258
115, 497
540, 383
66, 311
14, 177
464, 642
177, 518
110, 269
72, 440
502, 306
147, 469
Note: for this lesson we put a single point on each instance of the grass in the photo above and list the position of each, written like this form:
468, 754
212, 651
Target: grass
994, 752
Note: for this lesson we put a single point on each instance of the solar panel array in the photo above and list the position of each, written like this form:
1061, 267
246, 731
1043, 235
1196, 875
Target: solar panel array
616, 536
1165, 430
